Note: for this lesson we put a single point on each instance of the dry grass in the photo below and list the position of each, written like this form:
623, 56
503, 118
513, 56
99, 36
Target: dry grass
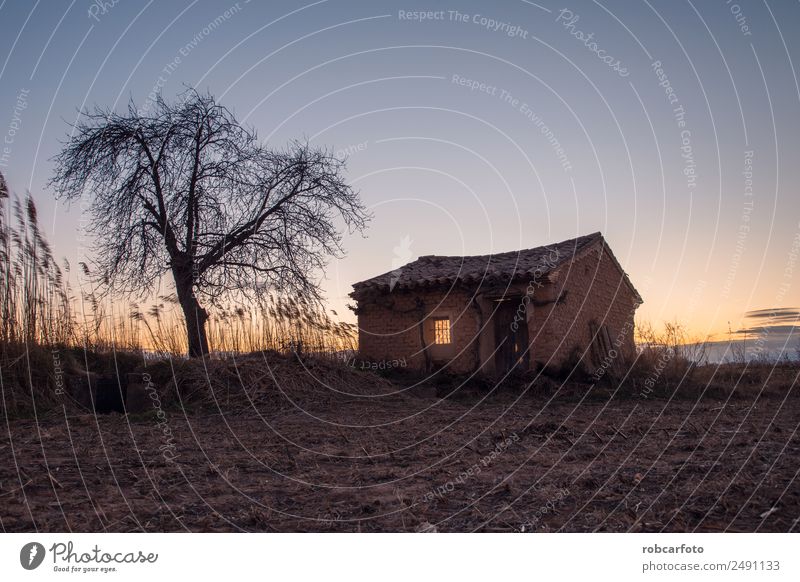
40, 307
34, 294
268, 381
52, 333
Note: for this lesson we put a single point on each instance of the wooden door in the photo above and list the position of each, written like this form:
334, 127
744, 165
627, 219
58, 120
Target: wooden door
511, 340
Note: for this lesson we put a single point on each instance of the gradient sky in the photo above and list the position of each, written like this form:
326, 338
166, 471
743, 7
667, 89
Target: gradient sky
447, 169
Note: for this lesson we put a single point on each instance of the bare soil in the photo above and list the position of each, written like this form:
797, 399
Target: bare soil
401, 462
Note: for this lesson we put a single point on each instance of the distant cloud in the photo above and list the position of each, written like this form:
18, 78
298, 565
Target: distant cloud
773, 341
777, 323
775, 332
770, 329
772, 319
776, 314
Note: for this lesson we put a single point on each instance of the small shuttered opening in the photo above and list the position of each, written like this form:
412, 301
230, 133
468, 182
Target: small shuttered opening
441, 331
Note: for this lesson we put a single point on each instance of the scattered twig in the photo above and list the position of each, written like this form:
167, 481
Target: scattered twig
768, 512
54, 480
21, 487
369, 456
619, 432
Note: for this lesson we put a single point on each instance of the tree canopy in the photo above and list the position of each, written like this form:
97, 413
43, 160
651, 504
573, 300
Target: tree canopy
186, 189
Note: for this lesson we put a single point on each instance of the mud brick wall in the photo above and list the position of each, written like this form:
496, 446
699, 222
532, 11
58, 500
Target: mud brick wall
594, 292
389, 328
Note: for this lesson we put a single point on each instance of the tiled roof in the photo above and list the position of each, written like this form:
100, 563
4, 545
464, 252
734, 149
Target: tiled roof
434, 270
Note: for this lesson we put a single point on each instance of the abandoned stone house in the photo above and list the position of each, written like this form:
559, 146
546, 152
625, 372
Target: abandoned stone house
550, 306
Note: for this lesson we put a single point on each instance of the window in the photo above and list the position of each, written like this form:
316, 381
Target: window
441, 330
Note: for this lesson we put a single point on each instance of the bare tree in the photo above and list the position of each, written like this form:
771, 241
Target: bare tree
188, 190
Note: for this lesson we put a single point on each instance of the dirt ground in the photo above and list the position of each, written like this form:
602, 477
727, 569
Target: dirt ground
412, 463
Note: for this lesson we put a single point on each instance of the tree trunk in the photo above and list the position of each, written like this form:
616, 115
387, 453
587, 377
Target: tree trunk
194, 315
196, 318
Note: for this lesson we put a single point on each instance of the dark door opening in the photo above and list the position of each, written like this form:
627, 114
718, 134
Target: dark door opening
511, 337
109, 396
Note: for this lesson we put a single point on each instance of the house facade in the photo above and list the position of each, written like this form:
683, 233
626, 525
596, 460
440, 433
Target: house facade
551, 306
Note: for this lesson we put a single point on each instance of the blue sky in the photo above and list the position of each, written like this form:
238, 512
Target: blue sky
482, 128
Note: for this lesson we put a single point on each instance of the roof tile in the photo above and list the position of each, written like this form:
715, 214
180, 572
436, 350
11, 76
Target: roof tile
448, 270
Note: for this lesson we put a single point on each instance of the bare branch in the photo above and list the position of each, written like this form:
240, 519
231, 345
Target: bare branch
186, 189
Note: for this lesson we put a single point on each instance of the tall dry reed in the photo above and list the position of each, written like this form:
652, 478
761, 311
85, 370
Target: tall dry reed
40, 307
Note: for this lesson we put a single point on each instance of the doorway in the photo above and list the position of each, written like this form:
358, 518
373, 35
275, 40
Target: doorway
511, 337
